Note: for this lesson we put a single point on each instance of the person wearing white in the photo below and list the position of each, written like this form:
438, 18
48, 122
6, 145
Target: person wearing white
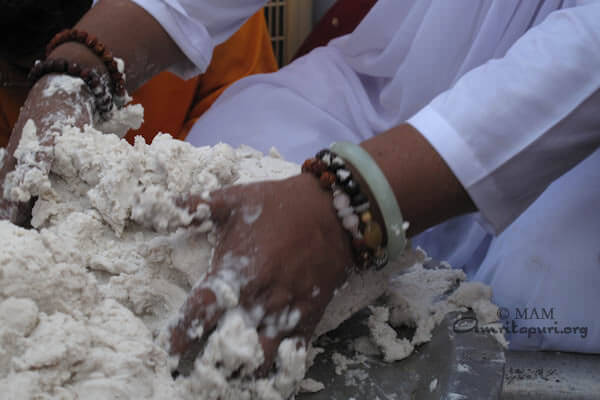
506, 91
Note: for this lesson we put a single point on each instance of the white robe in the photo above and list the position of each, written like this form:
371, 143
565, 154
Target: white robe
505, 90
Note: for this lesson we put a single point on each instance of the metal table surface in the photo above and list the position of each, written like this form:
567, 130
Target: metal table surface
480, 375
486, 370
551, 375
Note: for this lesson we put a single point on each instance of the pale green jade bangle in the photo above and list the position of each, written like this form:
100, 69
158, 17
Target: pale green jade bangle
381, 191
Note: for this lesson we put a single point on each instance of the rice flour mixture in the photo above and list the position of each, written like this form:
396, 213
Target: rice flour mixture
86, 295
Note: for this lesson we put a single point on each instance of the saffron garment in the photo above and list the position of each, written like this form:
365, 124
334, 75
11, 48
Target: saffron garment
505, 90
171, 104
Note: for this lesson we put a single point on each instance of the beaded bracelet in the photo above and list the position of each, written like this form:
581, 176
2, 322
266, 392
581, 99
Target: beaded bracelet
97, 85
117, 78
352, 207
107, 90
382, 194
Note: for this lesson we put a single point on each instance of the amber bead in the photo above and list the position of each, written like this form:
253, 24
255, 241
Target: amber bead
99, 49
307, 165
373, 235
327, 179
107, 57
319, 167
366, 217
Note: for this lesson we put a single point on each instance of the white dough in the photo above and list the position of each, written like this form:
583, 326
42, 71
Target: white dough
419, 299
86, 295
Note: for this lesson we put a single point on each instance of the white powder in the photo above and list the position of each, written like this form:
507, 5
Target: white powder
433, 385
63, 83
364, 345
123, 119
309, 385
455, 396
86, 295
463, 368
352, 376
30, 177
341, 362
419, 299
363, 289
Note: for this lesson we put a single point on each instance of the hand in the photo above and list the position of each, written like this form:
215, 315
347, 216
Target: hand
283, 241
44, 111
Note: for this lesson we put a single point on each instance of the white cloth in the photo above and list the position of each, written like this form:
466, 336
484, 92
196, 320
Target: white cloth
197, 26
505, 90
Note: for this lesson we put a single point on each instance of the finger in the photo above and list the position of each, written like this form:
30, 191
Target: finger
270, 345
218, 203
282, 321
222, 203
200, 314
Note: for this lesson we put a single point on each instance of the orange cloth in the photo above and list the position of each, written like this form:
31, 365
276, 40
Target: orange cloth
172, 105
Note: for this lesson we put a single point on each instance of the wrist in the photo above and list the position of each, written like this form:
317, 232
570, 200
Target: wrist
330, 229
423, 184
80, 54
353, 207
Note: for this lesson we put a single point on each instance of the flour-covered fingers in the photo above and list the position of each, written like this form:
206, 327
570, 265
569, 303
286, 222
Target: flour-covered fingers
222, 203
208, 301
277, 326
284, 356
269, 346
216, 206
200, 314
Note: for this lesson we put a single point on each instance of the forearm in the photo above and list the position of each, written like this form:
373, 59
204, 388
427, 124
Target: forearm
426, 189
506, 129
131, 34
512, 126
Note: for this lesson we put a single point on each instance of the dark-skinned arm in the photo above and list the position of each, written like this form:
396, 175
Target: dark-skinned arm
145, 48
427, 191
298, 243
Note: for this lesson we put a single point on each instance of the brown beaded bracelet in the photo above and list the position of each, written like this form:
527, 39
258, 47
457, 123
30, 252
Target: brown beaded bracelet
97, 85
116, 77
107, 90
352, 207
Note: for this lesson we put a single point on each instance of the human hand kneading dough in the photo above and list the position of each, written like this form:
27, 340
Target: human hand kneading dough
280, 242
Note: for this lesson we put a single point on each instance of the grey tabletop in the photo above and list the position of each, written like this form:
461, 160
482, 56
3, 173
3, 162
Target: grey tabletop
458, 363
